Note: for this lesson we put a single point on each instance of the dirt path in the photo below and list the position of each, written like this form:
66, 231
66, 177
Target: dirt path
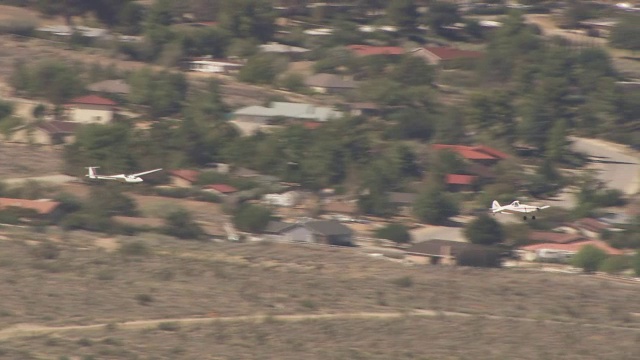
26, 330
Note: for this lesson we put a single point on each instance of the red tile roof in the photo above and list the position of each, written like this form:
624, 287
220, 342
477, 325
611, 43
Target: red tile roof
449, 53
222, 188
58, 127
456, 179
92, 100
186, 174
366, 50
591, 224
574, 247
473, 152
554, 237
42, 207
312, 125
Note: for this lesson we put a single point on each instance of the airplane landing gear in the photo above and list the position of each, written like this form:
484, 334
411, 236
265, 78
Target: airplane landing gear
533, 217
524, 217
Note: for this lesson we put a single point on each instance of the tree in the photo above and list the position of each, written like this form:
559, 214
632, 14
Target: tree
6, 109
589, 258
180, 224
636, 263
403, 14
557, 144
260, 69
434, 206
130, 17
252, 218
484, 230
626, 33
397, 233
248, 19
413, 71
442, 14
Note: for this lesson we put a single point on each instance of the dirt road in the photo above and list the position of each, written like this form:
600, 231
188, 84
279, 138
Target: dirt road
27, 330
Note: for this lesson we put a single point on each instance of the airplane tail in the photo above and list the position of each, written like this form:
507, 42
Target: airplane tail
495, 205
92, 171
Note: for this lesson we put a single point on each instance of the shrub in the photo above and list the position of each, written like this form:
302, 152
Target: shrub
135, 248
394, 232
144, 299
169, 326
615, 264
180, 224
589, 258
404, 281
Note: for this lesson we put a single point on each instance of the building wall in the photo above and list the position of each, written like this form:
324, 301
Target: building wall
91, 114
180, 182
299, 234
31, 136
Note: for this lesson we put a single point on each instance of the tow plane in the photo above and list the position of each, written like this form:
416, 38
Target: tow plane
126, 178
516, 207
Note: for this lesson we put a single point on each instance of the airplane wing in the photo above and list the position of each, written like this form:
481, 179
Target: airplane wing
146, 172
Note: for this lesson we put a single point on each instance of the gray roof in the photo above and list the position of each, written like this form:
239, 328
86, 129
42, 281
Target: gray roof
290, 110
402, 198
65, 30
328, 227
281, 48
278, 227
110, 86
329, 81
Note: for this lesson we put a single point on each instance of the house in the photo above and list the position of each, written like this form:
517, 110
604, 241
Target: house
329, 83
116, 87
369, 50
42, 208
45, 133
214, 66
220, 189
483, 155
403, 201
285, 110
458, 182
554, 237
561, 252
442, 55
328, 232
90, 109
292, 51
65, 30
445, 252
590, 227
183, 177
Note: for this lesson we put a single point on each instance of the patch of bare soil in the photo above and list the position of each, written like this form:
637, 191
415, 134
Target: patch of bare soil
18, 160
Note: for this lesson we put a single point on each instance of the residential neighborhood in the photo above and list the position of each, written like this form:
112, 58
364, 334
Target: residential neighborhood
301, 147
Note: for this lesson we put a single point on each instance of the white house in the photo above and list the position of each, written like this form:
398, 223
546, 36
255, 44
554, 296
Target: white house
90, 109
215, 66
288, 199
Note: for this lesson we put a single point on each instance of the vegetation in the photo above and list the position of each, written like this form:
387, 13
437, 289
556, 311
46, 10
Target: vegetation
252, 218
179, 223
434, 206
484, 230
397, 233
589, 258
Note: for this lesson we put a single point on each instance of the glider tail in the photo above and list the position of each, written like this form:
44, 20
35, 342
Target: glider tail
495, 205
92, 172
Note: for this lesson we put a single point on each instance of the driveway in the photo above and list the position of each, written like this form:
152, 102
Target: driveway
617, 165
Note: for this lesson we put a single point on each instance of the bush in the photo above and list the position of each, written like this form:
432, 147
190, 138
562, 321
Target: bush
615, 264
252, 218
394, 232
484, 230
135, 248
144, 299
589, 258
180, 224
404, 281
46, 251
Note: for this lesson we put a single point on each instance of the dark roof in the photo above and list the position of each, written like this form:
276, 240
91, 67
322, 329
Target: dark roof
402, 198
278, 227
58, 127
328, 227
329, 81
438, 247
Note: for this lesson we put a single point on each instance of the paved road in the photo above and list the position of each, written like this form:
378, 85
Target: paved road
617, 165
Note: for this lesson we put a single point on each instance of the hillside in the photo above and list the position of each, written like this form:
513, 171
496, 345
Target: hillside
261, 300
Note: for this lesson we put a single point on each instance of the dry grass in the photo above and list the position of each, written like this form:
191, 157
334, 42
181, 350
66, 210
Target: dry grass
74, 282
23, 160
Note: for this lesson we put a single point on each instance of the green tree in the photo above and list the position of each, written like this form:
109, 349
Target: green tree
615, 264
252, 218
206, 107
626, 33
557, 144
493, 114
484, 230
442, 14
413, 71
248, 19
130, 18
397, 233
260, 69
6, 109
179, 223
588, 258
636, 263
403, 14
434, 206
